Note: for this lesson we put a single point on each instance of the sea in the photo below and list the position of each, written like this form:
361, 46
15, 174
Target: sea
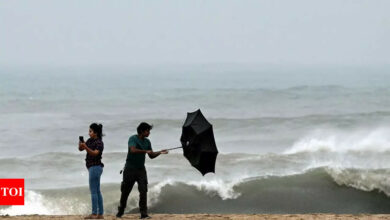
290, 139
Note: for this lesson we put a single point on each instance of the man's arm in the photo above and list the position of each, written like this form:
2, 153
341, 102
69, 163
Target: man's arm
153, 155
135, 150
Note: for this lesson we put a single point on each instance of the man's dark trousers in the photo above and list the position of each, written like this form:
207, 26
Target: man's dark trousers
130, 176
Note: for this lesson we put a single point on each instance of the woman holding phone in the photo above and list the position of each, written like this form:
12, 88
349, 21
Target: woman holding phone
94, 148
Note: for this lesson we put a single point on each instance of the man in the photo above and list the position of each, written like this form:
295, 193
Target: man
135, 171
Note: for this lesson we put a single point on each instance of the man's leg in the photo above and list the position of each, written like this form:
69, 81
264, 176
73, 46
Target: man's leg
126, 187
143, 190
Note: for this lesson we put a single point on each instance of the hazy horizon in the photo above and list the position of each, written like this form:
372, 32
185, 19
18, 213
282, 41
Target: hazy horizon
145, 33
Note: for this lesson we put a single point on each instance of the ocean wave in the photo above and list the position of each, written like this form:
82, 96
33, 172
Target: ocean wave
48, 170
365, 180
362, 140
316, 190
168, 122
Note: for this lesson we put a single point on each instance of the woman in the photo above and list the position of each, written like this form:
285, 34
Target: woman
94, 147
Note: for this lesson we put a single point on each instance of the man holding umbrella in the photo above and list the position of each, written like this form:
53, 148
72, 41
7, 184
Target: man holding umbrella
135, 171
198, 145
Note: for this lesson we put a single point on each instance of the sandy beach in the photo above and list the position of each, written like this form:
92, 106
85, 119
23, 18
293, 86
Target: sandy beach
213, 216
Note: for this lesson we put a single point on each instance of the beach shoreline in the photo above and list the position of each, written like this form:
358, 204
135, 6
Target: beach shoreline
213, 216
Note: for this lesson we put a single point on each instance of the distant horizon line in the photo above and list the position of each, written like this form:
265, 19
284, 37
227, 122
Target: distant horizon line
192, 65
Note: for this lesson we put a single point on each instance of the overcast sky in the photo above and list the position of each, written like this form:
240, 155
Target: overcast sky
299, 32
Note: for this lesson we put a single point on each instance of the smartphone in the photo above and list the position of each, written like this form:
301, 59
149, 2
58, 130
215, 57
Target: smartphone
81, 139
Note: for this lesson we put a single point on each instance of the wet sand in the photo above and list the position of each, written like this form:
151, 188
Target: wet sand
212, 216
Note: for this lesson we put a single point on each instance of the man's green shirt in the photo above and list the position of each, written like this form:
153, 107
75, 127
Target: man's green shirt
137, 160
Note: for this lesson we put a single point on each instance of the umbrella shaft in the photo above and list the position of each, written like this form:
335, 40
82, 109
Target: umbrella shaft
174, 148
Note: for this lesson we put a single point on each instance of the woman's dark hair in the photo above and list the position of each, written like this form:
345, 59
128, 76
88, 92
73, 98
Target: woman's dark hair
97, 129
144, 127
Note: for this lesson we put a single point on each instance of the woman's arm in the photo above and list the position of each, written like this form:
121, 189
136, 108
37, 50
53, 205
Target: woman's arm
89, 150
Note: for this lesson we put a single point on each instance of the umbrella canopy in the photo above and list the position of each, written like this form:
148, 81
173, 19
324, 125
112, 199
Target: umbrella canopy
198, 142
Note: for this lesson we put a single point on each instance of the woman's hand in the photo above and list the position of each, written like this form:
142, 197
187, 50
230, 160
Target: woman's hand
82, 146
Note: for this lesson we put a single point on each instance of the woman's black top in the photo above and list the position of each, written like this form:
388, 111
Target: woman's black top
94, 144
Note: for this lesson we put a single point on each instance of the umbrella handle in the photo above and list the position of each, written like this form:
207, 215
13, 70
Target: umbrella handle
174, 148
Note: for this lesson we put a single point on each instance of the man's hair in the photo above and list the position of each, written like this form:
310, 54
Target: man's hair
144, 127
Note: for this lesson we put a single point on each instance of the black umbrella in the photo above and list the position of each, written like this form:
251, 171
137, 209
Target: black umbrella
198, 142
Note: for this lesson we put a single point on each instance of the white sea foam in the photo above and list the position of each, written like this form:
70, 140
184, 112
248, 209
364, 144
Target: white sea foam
377, 140
35, 203
223, 189
365, 180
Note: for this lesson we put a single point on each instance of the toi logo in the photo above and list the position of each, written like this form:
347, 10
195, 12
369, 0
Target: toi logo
11, 191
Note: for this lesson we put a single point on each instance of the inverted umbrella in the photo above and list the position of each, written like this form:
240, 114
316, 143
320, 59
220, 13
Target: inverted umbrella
198, 142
